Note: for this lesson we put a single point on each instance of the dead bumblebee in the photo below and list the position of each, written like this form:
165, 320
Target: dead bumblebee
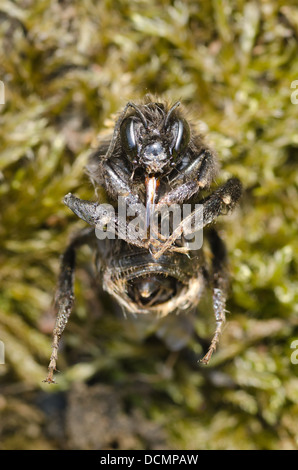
153, 160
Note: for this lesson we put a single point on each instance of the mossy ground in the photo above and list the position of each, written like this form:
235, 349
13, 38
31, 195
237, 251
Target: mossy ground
67, 67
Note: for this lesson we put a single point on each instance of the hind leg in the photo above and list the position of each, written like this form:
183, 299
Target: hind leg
64, 298
220, 283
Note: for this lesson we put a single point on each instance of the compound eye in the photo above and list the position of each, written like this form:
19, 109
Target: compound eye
128, 137
182, 133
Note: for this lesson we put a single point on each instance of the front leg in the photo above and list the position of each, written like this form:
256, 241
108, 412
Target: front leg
117, 180
197, 175
222, 200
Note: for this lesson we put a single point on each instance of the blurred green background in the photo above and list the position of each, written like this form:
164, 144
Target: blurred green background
67, 68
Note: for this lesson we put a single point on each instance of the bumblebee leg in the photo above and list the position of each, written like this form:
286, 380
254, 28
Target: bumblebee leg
221, 201
91, 212
196, 176
117, 181
64, 298
219, 279
102, 214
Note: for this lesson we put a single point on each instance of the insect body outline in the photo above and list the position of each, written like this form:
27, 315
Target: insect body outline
153, 159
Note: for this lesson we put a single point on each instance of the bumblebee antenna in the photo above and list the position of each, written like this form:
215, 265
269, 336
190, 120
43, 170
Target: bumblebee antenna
137, 109
170, 112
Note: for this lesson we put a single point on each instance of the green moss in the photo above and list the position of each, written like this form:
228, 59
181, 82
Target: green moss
67, 68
